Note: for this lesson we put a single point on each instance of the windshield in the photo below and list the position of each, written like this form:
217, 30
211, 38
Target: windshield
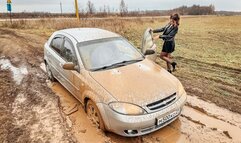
105, 53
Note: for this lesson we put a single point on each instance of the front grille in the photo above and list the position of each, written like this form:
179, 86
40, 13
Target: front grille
162, 103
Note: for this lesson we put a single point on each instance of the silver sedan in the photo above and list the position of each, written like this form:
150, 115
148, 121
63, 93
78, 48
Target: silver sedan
121, 88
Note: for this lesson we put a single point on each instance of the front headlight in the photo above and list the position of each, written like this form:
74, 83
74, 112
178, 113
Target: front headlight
181, 90
126, 108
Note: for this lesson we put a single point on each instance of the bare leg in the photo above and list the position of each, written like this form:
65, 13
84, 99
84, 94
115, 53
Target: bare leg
169, 66
165, 57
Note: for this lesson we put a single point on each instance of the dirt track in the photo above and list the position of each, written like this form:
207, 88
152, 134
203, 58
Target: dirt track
31, 112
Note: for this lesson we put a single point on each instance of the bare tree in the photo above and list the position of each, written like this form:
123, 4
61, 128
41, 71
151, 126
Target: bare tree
212, 7
90, 8
123, 8
108, 9
104, 9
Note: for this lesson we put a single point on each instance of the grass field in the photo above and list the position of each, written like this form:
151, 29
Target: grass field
208, 50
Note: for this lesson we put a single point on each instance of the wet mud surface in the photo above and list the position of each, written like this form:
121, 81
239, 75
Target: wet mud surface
32, 109
29, 110
194, 125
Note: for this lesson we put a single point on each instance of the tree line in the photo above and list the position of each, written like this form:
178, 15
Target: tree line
123, 10
195, 10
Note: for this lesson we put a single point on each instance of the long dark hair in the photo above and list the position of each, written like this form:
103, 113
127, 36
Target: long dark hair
176, 18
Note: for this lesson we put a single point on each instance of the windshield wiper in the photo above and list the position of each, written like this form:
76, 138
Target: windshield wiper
119, 64
107, 67
130, 61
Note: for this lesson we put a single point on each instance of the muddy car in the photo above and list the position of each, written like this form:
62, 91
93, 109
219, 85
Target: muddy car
121, 88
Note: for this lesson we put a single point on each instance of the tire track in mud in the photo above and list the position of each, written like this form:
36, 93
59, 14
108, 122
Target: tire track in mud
212, 123
213, 69
30, 110
9, 131
23, 45
212, 82
200, 109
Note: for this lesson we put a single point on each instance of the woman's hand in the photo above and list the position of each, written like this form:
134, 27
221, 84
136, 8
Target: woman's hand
151, 31
155, 37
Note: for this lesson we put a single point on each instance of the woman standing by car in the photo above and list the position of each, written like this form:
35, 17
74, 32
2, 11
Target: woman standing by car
169, 32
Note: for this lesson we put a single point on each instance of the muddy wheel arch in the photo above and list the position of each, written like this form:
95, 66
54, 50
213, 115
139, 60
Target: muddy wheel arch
88, 95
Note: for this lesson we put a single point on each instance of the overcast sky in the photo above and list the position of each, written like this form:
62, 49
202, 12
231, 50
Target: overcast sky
68, 5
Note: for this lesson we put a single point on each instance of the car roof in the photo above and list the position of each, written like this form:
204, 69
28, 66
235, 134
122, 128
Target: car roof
89, 34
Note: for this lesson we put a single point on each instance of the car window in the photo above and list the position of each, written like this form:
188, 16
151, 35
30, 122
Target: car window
68, 53
105, 52
56, 44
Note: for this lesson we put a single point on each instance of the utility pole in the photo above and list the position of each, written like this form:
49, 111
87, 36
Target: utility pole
77, 10
61, 9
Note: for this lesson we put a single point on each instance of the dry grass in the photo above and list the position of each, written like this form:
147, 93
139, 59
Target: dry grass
209, 55
132, 29
208, 50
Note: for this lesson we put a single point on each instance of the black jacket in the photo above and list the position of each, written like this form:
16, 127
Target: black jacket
169, 32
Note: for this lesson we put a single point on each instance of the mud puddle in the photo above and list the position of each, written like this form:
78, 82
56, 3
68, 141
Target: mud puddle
231, 131
194, 125
214, 111
77, 120
17, 73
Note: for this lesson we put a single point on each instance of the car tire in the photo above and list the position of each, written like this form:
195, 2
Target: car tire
49, 73
94, 115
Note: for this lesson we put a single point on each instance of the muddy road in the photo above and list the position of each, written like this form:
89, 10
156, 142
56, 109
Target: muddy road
200, 121
29, 111
32, 109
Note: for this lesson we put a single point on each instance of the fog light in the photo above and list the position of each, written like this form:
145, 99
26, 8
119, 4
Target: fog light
130, 132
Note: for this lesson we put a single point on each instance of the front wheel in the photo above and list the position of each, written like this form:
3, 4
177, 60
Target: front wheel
94, 115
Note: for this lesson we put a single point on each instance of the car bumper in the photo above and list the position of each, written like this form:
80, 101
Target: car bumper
131, 126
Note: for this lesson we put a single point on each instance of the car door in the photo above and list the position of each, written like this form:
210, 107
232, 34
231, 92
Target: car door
148, 43
69, 77
53, 55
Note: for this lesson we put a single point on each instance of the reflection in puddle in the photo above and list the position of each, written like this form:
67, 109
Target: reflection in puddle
18, 73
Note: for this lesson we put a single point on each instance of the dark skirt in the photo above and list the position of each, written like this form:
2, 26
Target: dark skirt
168, 46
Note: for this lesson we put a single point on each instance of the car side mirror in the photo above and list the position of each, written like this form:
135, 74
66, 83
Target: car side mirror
149, 52
69, 66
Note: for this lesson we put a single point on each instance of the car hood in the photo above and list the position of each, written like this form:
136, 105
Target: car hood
140, 83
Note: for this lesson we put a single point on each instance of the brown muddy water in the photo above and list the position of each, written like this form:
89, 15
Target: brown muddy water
200, 121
